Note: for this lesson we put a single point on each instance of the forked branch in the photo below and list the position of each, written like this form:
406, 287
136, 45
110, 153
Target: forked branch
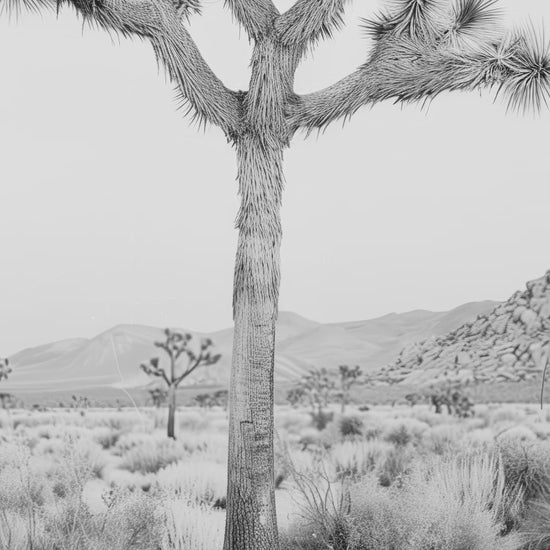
161, 22
420, 53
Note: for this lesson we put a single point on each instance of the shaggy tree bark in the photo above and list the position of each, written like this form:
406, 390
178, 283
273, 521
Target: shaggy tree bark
421, 48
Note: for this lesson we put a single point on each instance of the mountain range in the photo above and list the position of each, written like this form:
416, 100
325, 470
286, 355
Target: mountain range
112, 358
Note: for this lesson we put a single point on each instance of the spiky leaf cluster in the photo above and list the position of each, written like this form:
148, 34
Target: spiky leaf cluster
434, 49
152, 367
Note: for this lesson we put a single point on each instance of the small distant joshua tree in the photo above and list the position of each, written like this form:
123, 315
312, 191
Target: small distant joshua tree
347, 377
219, 398
80, 402
158, 396
176, 345
319, 390
295, 396
5, 369
204, 400
7, 401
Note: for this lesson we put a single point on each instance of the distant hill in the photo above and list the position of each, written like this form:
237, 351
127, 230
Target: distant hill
507, 344
112, 358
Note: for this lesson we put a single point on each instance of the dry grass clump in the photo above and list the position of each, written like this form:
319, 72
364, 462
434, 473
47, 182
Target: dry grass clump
356, 459
150, 458
42, 506
403, 431
527, 465
446, 505
443, 439
196, 481
190, 527
535, 529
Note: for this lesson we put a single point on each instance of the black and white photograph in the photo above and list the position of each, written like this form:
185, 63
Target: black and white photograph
274, 275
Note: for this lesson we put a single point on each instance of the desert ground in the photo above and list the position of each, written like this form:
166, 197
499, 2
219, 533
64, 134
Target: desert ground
394, 478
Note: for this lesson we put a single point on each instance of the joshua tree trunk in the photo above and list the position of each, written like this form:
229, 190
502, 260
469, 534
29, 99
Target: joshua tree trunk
171, 410
251, 520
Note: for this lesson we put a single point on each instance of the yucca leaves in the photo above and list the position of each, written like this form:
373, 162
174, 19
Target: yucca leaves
526, 81
453, 21
416, 18
14, 8
88, 8
473, 22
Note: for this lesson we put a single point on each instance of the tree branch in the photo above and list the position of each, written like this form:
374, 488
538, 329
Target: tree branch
201, 92
413, 69
309, 21
256, 16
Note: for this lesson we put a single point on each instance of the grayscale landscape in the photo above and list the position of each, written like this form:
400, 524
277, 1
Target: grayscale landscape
273, 275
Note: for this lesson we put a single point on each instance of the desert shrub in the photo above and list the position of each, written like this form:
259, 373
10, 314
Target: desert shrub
479, 439
404, 431
123, 479
90, 456
517, 433
535, 528
447, 505
310, 437
324, 517
354, 459
321, 418
150, 458
119, 421
193, 421
127, 523
293, 421
350, 426
105, 436
427, 416
129, 441
541, 430
453, 506
199, 482
442, 439
510, 414
526, 465
396, 462
187, 526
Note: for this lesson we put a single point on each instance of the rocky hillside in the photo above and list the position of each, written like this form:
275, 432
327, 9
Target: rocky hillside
510, 343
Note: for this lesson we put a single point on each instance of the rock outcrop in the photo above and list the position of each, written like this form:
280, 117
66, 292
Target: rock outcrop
511, 343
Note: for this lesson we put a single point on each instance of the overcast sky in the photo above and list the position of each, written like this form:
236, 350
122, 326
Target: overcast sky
115, 210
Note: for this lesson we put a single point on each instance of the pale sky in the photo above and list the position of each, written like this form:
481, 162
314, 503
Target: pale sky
114, 209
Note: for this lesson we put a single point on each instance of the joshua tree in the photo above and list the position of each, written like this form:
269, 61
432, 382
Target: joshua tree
221, 399
158, 396
7, 401
421, 48
5, 369
295, 396
347, 377
204, 400
319, 390
176, 345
